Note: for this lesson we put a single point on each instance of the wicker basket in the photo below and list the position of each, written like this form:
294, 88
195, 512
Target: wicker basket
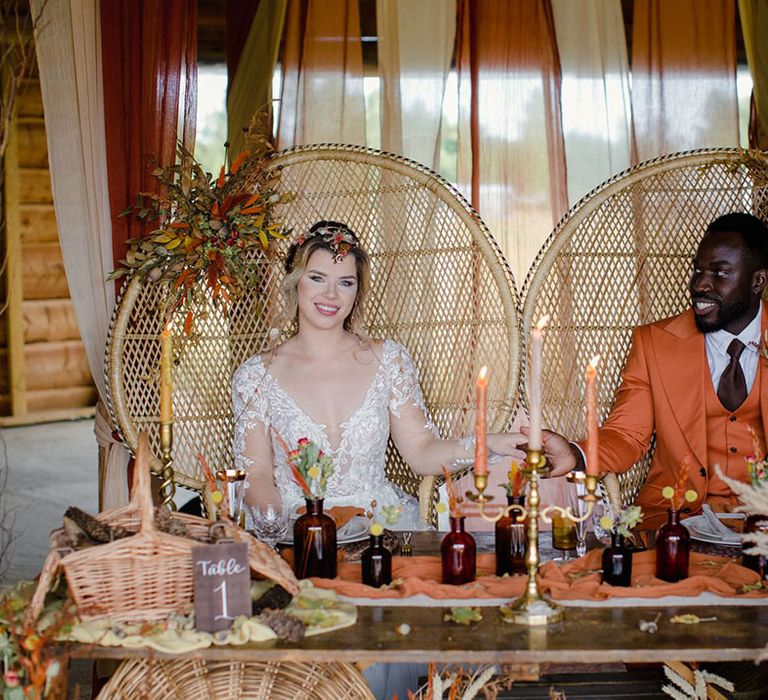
149, 575
233, 680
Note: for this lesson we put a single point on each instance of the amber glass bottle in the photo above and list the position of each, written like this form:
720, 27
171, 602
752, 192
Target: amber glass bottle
314, 542
511, 538
377, 563
458, 554
673, 547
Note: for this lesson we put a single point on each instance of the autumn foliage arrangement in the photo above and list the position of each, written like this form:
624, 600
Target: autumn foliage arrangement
208, 228
678, 494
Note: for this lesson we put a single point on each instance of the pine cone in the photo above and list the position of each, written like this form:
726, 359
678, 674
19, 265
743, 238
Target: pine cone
276, 598
285, 626
165, 522
95, 529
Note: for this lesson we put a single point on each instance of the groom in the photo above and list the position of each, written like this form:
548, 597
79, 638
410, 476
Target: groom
699, 380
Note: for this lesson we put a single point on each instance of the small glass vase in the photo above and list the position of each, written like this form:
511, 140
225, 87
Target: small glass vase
673, 548
458, 554
511, 538
314, 542
617, 562
377, 563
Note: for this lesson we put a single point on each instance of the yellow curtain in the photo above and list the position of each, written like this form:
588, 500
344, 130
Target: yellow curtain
754, 26
251, 87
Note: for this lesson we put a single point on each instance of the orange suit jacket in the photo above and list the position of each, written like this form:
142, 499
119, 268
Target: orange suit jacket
662, 389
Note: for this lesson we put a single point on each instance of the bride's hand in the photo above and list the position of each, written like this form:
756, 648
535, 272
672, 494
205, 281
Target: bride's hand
507, 445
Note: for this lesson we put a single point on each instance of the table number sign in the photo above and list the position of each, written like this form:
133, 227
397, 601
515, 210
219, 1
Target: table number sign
222, 585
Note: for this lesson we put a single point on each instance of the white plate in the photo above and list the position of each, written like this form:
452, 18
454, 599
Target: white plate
353, 531
697, 526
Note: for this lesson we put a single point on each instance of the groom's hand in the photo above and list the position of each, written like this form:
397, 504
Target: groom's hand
563, 456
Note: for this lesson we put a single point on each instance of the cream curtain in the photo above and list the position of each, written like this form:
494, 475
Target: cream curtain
754, 25
251, 87
684, 76
597, 116
67, 40
511, 155
414, 73
322, 96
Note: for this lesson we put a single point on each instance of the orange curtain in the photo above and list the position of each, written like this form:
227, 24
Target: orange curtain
322, 92
511, 157
149, 54
683, 76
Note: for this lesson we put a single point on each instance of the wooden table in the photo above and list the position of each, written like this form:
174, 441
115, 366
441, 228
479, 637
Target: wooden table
587, 635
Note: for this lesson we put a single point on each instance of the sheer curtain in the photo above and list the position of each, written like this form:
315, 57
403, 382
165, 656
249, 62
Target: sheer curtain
322, 93
68, 44
754, 26
684, 76
414, 73
511, 158
597, 116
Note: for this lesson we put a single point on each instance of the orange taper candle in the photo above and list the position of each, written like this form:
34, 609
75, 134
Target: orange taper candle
593, 457
481, 427
166, 376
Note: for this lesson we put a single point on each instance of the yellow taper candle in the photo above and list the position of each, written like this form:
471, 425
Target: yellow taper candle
166, 376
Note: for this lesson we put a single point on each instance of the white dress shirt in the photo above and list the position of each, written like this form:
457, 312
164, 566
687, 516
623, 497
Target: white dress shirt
717, 343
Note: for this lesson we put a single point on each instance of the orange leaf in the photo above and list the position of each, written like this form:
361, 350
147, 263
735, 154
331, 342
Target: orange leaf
239, 161
188, 323
215, 210
179, 224
221, 179
253, 198
255, 209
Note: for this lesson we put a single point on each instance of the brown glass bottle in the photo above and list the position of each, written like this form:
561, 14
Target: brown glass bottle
314, 542
617, 562
458, 554
673, 547
377, 563
511, 538
756, 562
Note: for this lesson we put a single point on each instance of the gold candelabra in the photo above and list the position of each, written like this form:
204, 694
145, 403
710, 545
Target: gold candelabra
167, 484
532, 608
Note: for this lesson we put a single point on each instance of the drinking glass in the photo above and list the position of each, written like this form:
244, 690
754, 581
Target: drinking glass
579, 508
270, 522
563, 536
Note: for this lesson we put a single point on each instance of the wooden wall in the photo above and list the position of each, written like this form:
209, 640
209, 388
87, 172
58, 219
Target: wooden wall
44, 373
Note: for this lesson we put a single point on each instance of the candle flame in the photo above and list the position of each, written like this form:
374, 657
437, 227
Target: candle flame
594, 362
483, 374
542, 322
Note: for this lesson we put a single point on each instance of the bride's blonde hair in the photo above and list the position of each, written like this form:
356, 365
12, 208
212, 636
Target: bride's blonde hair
339, 240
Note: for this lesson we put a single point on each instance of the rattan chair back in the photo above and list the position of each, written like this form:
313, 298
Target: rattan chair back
197, 679
439, 285
622, 257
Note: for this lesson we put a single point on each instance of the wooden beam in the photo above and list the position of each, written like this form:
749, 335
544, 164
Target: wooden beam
13, 277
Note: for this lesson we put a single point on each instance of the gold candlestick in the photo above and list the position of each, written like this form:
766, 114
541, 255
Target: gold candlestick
167, 484
533, 608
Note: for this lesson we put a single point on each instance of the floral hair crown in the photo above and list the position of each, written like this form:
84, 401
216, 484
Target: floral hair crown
337, 236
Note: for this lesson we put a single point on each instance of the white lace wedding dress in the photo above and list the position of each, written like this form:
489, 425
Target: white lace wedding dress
360, 457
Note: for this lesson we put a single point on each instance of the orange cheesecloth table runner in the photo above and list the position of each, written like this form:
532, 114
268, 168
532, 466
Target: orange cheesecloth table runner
579, 579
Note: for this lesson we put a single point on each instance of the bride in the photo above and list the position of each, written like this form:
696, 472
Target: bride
331, 383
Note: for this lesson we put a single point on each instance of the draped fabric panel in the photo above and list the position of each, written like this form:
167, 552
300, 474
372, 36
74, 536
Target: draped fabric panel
684, 76
414, 73
597, 116
149, 52
322, 93
250, 86
509, 114
754, 26
239, 24
68, 44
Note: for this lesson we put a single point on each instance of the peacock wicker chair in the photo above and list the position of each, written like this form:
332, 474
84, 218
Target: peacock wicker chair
197, 679
621, 257
439, 285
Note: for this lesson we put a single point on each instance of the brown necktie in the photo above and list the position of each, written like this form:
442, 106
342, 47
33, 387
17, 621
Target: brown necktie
732, 388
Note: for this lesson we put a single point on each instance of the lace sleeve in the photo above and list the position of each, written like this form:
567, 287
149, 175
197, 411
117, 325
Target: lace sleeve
250, 407
405, 387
